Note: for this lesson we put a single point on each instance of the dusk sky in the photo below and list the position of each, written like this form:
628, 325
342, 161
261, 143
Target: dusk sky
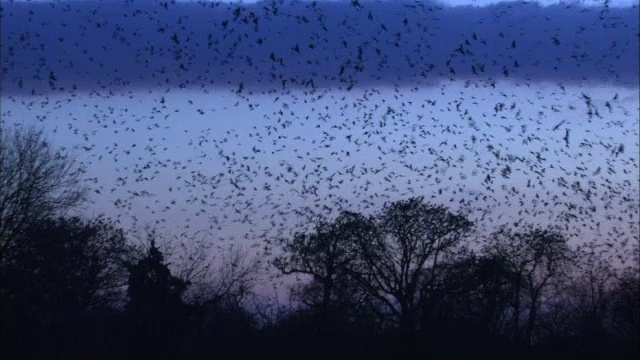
239, 120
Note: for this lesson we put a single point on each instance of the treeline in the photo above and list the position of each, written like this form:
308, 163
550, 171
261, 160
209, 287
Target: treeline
74, 288
411, 281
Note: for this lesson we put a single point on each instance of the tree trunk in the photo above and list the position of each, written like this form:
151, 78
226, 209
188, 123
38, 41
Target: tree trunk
409, 339
533, 313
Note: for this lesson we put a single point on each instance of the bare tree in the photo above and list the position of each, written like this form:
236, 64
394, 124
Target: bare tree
404, 256
229, 283
36, 182
474, 291
594, 280
535, 256
625, 309
329, 256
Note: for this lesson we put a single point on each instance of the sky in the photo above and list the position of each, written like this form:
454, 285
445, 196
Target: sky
241, 121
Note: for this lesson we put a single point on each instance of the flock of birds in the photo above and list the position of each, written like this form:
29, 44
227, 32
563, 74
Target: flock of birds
249, 120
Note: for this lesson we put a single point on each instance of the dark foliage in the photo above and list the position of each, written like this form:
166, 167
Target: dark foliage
155, 314
61, 275
72, 289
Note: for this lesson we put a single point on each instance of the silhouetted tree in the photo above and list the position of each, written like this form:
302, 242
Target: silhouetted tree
330, 256
402, 258
221, 325
229, 279
59, 271
468, 300
584, 296
157, 315
492, 288
625, 311
36, 182
535, 256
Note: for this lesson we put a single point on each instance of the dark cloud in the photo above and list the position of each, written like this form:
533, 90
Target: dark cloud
91, 45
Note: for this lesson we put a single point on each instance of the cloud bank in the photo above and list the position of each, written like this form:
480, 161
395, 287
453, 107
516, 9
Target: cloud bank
268, 46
